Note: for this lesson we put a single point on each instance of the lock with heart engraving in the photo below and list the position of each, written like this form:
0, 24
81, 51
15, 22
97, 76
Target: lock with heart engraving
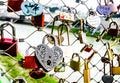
47, 56
60, 67
75, 64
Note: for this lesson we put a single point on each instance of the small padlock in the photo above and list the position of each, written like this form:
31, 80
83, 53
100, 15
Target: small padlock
107, 78
116, 69
60, 67
86, 72
61, 80
113, 31
88, 48
75, 65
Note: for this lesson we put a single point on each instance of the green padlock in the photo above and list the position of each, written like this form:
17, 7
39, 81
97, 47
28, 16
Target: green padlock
75, 65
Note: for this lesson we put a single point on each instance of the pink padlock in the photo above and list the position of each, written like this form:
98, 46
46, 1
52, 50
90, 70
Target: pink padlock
113, 8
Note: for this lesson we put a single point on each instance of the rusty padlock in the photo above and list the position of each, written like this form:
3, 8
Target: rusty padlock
113, 31
75, 65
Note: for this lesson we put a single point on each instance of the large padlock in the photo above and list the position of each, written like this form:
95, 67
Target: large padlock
49, 57
60, 67
9, 45
113, 31
86, 72
14, 5
75, 65
29, 60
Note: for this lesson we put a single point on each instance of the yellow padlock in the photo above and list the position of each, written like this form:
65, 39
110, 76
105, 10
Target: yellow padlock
86, 72
75, 65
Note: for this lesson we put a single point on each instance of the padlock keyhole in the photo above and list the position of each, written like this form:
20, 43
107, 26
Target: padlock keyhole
48, 62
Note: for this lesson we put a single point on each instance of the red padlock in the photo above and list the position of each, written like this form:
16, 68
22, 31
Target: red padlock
29, 60
14, 5
10, 46
88, 48
38, 20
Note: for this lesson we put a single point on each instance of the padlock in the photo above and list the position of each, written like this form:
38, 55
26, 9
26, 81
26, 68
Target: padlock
9, 45
60, 32
86, 72
113, 31
113, 7
107, 78
116, 69
75, 65
31, 8
103, 9
60, 67
29, 60
93, 19
66, 14
49, 57
88, 48
52, 30
14, 5
38, 20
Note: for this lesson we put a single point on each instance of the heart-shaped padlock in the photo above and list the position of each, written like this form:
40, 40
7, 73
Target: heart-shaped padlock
49, 57
107, 79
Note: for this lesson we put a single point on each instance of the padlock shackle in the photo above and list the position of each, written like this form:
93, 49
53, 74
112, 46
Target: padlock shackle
2, 26
113, 22
52, 36
60, 30
76, 55
27, 51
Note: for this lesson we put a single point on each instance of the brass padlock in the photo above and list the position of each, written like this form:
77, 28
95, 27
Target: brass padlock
86, 72
60, 67
75, 65
115, 70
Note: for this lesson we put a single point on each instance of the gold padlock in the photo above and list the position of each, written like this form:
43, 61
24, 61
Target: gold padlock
75, 65
86, 72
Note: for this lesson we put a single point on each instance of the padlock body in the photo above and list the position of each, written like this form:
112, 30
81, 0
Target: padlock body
60, 67
38, 20
86, 75
88, 49
116, 70
14, 5
30, 62
7, 43
75, 65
